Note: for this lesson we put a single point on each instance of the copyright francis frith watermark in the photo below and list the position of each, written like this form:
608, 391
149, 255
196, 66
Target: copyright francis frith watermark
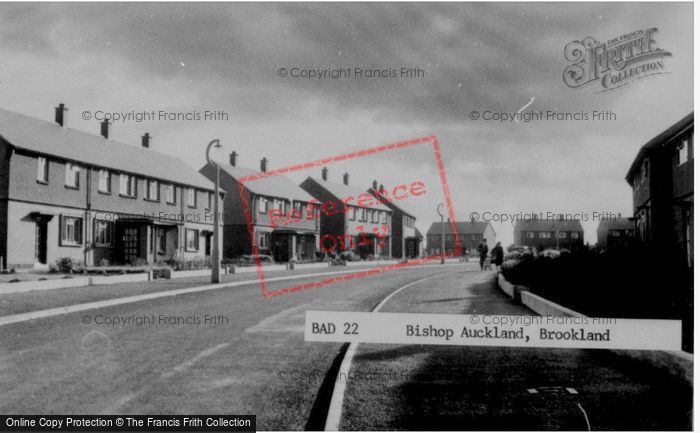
615, 63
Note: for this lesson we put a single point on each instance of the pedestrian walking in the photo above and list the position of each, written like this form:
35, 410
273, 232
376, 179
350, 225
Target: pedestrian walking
497, 255
483, 250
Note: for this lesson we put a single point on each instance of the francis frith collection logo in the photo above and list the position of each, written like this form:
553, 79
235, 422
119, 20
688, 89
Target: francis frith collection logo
615, 63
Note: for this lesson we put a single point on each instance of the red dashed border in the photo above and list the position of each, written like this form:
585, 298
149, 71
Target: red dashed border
327, 161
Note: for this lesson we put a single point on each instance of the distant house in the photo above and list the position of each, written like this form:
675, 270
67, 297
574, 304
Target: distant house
284, 219
470, 234
351, 218
406, 238
548, 234
661, 177
615, 233
68, 194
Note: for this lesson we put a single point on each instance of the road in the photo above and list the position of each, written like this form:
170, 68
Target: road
256, 361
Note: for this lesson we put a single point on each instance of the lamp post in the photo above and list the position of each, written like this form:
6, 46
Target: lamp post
215, 259
442, 242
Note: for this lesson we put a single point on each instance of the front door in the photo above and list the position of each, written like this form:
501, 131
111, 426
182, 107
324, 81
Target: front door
130, 244
280, 247
40, 241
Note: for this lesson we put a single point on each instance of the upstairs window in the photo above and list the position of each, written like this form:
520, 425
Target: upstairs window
191, 197
352, 214
152, 192
384, 217
682, 154
574, 235
72, 175
544, 235
42, 170
104, 182
210, 200
127, 185
262, 205
170, 194
562, 235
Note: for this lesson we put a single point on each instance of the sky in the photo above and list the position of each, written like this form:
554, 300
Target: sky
497, 57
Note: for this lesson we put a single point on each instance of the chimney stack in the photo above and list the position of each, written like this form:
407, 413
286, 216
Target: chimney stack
263, 165
346, 178
374, 184
381, 187
232, 158
104, 128
324, 173
60, 119
146, 140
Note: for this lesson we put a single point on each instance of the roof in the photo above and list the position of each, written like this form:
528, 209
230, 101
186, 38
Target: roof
272, 186
342, 191
391, 204
549, 225
50, 139
463, 227
658, 141
616, 224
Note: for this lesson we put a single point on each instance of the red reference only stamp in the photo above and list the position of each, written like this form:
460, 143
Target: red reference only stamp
377, 230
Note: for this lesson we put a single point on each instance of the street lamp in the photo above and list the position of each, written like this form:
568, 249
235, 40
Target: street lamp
442, 227
215, 259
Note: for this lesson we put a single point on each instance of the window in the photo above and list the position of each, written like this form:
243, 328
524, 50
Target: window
544, 235
352, 214
160, 240
384, 217
170, 194
104, 182
127, 185
71, 230
682, 152
363, 214
210, 200
262, 205
191, 197
152, 192
645, 170
574, 235
72, 175
529, 235
373, 216
263, 240
615, 233
562, 235
103, 233
42, 170
192, 241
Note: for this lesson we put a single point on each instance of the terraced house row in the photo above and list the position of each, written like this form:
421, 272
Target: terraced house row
66, 193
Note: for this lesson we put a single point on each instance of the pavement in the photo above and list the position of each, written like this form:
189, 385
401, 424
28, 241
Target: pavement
232, 351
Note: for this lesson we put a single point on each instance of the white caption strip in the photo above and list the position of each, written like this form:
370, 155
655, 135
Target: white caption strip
493, 330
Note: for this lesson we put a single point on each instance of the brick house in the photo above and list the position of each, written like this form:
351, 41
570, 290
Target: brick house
351, 218
470, 234
406, 238
66, 193
661, 177
548, 234
284, 217
615, 233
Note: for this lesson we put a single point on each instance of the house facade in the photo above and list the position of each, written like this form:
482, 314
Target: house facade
469, 233
283, 218
661, 177
405, 236
66, 193
614, 233
351, 218
548, 234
